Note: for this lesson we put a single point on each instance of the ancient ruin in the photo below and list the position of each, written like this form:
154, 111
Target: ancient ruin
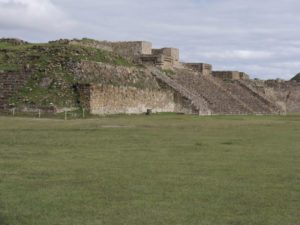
132, 77
230, 75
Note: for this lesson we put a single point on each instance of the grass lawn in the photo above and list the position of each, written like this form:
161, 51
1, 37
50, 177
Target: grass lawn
150, 170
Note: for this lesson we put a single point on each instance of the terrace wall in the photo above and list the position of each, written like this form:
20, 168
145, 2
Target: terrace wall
109, 99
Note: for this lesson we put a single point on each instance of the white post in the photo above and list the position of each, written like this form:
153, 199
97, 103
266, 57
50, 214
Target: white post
13, 111
39, 113
83, 112
65, 115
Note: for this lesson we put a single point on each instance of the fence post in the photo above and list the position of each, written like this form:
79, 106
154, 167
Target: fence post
13, 111
83, 113
39, 113
65, 115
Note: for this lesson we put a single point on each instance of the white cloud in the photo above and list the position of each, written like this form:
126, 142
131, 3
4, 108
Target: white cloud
236, 54
41, 15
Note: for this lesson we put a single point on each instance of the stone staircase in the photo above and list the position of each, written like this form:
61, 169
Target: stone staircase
251, 98
257, 106
211, 95
197, 101
267, 103
220, 85
220, 100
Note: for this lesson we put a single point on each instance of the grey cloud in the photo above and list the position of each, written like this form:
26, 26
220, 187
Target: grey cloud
258, 37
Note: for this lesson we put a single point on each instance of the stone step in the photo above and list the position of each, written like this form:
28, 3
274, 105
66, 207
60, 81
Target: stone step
197, 101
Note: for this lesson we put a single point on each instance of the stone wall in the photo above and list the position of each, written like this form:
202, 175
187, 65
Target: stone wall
203, 68
10, 83
167, 57
137, 51
286, 94
159, 60
227, 75
230, 75
128, 49
244, 76
170, 52
109, 89
109, 99
84, 91
133, 49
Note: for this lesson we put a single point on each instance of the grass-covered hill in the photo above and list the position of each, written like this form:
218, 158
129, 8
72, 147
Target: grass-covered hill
297, 77
50, 66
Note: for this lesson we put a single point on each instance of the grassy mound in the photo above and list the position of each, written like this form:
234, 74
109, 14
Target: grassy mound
50, 66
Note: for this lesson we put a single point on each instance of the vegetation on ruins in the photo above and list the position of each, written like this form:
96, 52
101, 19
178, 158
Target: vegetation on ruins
297, 77
117, 77
51, 67
163, 169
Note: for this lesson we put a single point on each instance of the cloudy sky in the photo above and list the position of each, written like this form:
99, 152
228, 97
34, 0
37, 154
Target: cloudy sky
259, 37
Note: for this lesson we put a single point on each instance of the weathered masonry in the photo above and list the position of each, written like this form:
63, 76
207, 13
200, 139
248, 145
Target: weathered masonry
230, 75
130, 91
140, 52
109, 99
10, 83
203, 68
156, 79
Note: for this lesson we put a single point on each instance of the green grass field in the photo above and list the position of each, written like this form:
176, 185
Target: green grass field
150, 170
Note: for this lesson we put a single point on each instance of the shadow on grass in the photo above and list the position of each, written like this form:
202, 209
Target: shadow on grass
3, 220
227, 143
